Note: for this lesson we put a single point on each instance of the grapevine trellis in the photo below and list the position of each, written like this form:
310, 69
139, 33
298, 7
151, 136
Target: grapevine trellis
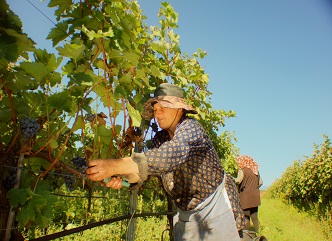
104, 222
60, 110
307, 183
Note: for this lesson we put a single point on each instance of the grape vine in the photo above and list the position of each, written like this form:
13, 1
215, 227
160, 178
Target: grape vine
111, 61
307, 183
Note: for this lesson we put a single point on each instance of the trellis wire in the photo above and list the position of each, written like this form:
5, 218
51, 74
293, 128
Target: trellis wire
96, 224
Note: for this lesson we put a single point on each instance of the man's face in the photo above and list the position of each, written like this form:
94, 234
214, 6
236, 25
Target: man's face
166, 117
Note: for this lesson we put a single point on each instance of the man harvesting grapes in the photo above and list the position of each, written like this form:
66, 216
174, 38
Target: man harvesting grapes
183, 156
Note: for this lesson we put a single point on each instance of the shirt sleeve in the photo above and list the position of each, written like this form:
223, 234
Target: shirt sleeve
188, 141
239, 177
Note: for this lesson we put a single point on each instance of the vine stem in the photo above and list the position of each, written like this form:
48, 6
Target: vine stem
17, 184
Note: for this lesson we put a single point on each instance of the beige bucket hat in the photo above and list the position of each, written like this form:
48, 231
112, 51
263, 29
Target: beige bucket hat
170, 96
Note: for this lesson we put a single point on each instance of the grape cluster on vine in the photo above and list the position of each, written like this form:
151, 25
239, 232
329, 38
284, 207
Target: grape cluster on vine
29, 127
10, 180
80, 163
68, 179
69, 182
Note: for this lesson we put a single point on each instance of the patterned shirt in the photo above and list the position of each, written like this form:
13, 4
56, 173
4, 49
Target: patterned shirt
188, 164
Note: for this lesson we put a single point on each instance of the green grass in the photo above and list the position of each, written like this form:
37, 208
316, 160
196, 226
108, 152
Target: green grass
278, 222
282, 222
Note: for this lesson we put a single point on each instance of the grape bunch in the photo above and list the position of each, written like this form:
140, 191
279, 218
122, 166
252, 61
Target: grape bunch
80, 163
29, 127
68, 179
54, 178
69, 182
10, 180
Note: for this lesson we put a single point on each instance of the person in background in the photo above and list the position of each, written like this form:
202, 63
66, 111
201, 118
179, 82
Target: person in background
249, 182
183, 156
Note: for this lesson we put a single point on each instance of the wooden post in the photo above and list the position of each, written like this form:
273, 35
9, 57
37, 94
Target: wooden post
133, 199
170, 217
130, 236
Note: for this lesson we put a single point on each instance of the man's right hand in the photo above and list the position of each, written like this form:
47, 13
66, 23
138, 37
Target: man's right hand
100, 169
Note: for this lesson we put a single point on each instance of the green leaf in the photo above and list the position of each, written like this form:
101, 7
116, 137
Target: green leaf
159, 46
82, 79
116, 56
99, 34
132, 57
62, 5
5, 115
35, 70
58, 33
55, 79
125, 79
155, 71
120, 91
37, 163
78, 124
42, 221
23, 42
51, 199
25, 214
135, 115
61, 101
38, 201
103, 131
105, 95
115, 71
17, 196
142, 75
73, 51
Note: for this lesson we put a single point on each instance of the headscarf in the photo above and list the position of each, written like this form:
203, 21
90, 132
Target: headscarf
247, 161
167, 95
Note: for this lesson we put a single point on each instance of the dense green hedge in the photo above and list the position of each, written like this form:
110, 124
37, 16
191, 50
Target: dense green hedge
307, 184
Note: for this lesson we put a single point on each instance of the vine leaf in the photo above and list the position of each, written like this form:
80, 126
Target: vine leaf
73, 51
99, 34
155, 71
17, 197
61, 101
58, 33
62, 4
135, 115
27, 213
36, 70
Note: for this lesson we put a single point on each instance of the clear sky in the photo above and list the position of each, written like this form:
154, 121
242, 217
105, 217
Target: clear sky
270, 61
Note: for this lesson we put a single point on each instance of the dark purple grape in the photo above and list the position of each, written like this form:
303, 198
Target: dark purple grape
10, 180
29, 127
81, 164
69, 181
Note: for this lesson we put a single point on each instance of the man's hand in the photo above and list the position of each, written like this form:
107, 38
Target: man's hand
104, 168
100, 169
114, 183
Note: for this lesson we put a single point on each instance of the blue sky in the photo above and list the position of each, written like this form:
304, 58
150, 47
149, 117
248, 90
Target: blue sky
270, 61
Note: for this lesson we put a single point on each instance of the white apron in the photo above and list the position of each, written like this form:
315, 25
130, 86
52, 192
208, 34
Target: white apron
212, 220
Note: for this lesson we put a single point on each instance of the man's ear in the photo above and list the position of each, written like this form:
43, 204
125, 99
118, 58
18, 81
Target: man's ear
181, 112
